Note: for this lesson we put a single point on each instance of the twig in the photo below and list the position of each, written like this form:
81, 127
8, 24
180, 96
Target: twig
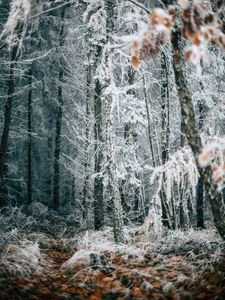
50, 9
3, 46
140, 5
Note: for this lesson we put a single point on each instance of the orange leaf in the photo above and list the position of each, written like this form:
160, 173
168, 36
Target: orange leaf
135, 62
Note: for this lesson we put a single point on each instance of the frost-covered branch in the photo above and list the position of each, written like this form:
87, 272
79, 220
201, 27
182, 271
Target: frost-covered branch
139, 5
181, 164
51, 9
16, 25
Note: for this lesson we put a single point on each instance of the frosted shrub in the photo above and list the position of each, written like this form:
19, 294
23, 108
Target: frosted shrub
38, 209
152, 226
13, 217
22, 259
102, 243
181, 242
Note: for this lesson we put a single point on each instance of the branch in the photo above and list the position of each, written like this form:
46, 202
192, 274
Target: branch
140, 5
51, 9
3, 46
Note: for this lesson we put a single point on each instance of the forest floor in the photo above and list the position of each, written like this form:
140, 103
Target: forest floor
110, 275
43, 256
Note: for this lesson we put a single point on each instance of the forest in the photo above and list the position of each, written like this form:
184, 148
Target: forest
112, 149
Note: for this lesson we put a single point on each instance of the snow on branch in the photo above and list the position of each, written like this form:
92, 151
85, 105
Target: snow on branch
181, 170
179, 174
17, 19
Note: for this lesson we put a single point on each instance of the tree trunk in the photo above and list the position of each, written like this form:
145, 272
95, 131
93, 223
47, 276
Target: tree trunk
192, 134
165, 106
165, 216
112, 177
6, 127
200, 187
86, 189
56, 176
149, 124
98, 181
199, 201
130, 137
168, 219
29, 138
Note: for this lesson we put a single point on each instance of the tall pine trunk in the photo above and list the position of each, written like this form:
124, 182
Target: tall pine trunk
87, 176
200, 187
29, 139
6, 127
98, 180
56, 175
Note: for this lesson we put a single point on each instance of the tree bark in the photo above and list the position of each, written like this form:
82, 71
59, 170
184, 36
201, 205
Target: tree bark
165, 106
168, 219
98, 181
200, 187
86, 189
112, 177
6, 127
29, 138
192, 134
199, 201
56, 175
149, 125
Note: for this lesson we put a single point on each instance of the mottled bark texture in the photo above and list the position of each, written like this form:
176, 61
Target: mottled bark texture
112, 177
192, 134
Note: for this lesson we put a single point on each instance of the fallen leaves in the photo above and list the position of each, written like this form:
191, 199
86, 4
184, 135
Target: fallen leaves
171, 278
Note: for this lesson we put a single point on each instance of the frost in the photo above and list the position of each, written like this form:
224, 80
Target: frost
181, 173
18, 16
80, 257
22, 259
99, 243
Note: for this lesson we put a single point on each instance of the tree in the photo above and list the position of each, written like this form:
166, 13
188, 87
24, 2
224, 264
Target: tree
98, 131
56, 176
29, 138
162, 21
113, 181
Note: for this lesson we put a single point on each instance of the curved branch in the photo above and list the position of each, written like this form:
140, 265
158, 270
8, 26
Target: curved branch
140, 5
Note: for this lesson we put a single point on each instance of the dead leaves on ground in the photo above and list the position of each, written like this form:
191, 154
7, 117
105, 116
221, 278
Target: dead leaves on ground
173, 277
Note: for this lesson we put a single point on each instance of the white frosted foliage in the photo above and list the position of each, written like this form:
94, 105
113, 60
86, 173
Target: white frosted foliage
19, 13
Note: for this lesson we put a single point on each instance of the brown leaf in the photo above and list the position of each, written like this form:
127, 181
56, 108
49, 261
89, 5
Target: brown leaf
135, 62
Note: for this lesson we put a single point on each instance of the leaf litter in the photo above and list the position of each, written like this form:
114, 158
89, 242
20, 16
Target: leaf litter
179, 266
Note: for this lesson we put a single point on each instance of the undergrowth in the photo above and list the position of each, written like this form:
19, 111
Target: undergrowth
27, 233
